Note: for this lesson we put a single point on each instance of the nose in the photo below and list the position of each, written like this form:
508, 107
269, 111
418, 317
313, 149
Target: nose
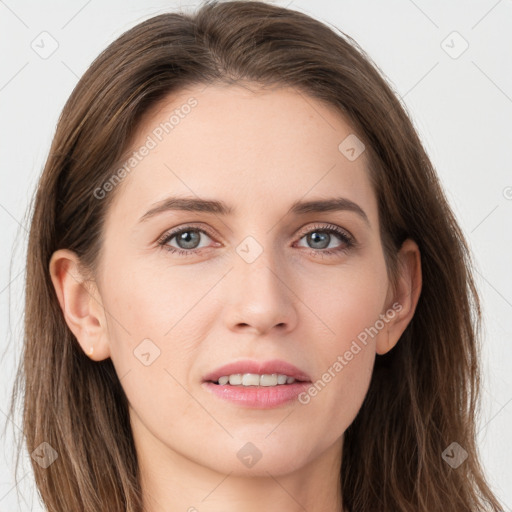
260, 296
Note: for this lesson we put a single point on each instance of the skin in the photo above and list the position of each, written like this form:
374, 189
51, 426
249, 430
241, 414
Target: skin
259, 151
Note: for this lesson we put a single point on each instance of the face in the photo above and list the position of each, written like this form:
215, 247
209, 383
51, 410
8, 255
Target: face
189, 291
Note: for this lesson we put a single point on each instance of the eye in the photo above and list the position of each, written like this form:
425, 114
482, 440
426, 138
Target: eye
320, 237
187, 238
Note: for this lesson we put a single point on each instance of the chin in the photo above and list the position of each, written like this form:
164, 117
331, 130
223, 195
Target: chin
254, 458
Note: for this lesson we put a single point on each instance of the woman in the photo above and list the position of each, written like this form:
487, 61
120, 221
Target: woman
245, 286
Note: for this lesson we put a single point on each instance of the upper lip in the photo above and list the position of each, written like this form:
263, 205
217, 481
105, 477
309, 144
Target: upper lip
260, 367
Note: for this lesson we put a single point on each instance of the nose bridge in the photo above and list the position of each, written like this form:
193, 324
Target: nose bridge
259, 295
258, 265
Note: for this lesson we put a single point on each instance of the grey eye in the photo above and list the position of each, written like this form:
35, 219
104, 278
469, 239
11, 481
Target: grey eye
317, 237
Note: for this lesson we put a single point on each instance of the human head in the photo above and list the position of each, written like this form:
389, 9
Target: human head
410, 385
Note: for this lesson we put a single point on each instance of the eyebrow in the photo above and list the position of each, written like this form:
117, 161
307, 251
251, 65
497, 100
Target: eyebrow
191, 204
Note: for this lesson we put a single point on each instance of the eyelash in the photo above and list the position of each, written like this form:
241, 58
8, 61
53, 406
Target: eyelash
330, 228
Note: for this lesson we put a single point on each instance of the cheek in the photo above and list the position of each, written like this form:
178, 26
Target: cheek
351, 306
153, 329
150, 299
152, 341
350, 301
339, 388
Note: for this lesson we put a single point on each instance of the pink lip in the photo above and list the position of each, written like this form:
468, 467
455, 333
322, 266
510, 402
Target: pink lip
261, 367
258, 397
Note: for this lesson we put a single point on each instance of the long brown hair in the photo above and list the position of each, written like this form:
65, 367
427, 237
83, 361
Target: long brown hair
424, 394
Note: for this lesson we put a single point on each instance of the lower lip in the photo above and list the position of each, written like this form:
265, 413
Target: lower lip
258, 397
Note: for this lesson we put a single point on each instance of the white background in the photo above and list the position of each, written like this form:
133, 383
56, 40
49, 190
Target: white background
462, 108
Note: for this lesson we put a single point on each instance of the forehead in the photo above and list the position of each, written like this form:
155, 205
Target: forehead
250, 147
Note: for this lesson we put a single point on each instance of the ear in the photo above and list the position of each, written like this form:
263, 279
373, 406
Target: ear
81, 305
402, 301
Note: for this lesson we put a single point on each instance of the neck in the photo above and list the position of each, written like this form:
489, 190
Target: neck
172, 482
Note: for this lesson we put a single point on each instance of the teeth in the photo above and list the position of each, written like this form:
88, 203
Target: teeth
250, 379
281, 379
253, 379
235, 380
268, 380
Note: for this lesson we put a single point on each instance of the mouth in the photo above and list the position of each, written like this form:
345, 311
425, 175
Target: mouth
257, 385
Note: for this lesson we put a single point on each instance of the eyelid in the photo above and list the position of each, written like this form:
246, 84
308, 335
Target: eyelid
325, 226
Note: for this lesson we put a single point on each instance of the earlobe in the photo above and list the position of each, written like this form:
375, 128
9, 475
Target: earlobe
405, 298
80, 304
